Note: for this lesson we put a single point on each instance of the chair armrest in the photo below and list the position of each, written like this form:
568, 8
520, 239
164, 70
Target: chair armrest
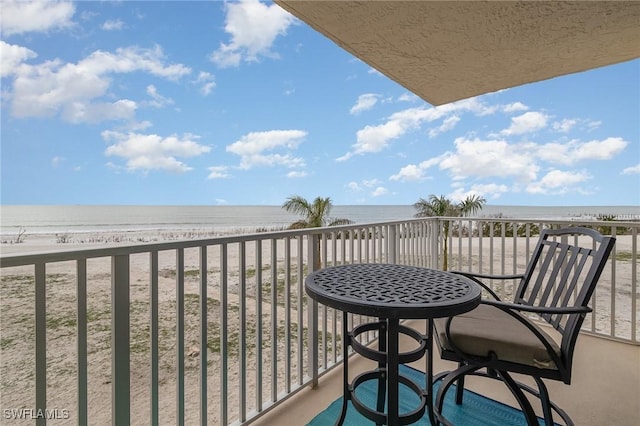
487, 276
474, 277
505, 306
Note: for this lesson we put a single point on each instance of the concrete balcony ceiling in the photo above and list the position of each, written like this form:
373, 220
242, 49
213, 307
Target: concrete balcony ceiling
444, 51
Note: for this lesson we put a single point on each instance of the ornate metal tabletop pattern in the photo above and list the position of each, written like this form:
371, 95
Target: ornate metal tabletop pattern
387, 290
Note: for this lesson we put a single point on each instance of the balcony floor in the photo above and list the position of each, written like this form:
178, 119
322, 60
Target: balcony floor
605, 389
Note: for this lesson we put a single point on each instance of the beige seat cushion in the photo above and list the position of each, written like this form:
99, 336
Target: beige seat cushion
489, 329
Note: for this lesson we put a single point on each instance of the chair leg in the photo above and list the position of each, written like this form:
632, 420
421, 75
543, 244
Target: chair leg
514, 387
460, 387
450, 379
546, 403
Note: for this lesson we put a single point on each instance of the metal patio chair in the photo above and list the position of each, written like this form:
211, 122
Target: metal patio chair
499, 338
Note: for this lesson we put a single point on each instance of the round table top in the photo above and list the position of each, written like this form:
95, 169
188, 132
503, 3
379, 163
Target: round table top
393, 291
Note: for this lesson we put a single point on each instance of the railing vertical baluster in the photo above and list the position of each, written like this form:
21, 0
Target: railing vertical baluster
274, 320
81, 267
312, 318
300, 310
491, 234
287, 314
634, 284
325, 259
41, 339
343, 246
352, 238
613, 286
259, 325
153, 329
224, 347
242, 337
334, 256
120, 368
367, 243
203, 335
392, 239
180, 336
460, 245
435, 243
515, 246
503, 240
470, 244
480, 238
334, 248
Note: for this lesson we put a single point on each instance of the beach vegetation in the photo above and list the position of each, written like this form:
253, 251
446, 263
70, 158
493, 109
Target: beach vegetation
315, 214
441, 206
608, 230
19, 238
508, 228
63, 238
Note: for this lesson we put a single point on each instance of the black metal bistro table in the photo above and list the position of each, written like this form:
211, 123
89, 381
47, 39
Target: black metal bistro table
390, 293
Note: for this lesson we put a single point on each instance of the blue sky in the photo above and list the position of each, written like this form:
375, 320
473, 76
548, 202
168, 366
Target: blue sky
204, 103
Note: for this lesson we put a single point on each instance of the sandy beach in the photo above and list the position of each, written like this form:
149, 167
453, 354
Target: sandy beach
17, 320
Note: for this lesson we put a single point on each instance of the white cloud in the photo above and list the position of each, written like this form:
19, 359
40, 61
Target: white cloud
158, 101
366, 184
253, 27
56, 161
296, 174
409, 173
12, 56
20, 17
526, 123
575, 151
153, 152
79, 112
376, 138
565, 125
476, 158
413, 173
365, 102
71, 90
489, 158
447, 124
218, 172
354, 186
488, 191
252, 147
408, 97
207, 80
633, 170
601, 150
113, 25
379, 191
515, 107
558, 182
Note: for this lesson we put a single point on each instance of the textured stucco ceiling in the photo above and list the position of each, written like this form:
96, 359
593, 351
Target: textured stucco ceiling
449, 50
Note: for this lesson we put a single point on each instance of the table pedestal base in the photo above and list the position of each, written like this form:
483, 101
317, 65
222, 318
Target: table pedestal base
389, 379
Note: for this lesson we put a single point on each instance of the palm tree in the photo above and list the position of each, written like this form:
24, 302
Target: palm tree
442, 206
314, 215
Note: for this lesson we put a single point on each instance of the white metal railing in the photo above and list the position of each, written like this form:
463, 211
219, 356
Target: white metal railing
218, 331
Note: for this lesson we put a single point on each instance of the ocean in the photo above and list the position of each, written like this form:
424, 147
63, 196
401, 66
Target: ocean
53, 219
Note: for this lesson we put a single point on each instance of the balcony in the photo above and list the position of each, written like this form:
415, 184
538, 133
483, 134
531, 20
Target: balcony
220, 331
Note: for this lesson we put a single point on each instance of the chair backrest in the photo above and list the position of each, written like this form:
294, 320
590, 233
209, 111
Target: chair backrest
563, 271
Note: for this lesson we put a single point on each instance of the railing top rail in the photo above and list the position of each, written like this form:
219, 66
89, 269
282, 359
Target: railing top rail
21, 259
